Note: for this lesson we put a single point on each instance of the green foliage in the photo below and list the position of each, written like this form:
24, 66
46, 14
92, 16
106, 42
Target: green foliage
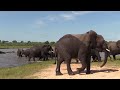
22, 44
47, 42
14, 41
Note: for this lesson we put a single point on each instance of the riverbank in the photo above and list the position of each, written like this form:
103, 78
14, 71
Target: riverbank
22, 72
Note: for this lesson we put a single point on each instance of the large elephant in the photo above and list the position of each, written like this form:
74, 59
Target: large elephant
114, 48
75, 46
40, 52
94, 54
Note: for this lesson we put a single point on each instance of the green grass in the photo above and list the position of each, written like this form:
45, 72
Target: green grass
12, 47
110, 63
22, 72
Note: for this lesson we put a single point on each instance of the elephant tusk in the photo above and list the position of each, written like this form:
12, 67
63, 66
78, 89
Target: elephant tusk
108, 50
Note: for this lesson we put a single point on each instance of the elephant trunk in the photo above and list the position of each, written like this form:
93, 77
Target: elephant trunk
105, 55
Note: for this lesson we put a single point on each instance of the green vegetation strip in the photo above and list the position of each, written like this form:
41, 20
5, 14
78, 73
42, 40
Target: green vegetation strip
21, 72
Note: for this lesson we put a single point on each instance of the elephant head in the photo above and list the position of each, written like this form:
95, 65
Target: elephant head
102, 47
88, 38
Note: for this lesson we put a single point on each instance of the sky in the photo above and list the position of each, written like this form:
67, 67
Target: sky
40, 26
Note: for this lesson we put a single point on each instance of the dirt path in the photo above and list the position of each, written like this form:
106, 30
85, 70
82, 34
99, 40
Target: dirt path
98, 73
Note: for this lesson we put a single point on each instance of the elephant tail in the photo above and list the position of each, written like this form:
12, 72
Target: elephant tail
56, 56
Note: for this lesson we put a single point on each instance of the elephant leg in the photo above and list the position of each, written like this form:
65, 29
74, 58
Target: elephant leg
88, 65
114, 57
59, 61
94, 58
29, 58
70, 72
54, 62
83, 62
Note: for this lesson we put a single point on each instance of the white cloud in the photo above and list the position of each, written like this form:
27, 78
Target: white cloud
81, 12
52, 18
67, 16
39, 24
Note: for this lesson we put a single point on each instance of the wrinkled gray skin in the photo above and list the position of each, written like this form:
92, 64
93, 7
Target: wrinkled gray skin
39, 52
118, 43
94, 53
26, 52
19, 52
114, 48
101, 47
80, 48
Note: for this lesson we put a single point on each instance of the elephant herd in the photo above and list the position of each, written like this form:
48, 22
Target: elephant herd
41, 51
78, 46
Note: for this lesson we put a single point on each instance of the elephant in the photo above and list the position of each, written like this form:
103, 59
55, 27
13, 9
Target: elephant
19, 52
118, 43
95, 55
40, 51
102, 47
26, 52
114, 48
80, 48
1, 52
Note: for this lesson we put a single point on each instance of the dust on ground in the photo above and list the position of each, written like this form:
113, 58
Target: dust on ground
97, 73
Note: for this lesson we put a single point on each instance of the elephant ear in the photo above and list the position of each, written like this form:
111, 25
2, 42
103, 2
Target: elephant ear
93, 37
118, 43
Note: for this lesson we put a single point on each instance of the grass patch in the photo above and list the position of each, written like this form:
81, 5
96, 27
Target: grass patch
13, 47
110, 63
23, 71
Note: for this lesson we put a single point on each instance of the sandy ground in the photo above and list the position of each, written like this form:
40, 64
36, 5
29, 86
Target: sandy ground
97, 73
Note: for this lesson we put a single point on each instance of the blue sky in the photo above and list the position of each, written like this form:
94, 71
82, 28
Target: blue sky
51, 25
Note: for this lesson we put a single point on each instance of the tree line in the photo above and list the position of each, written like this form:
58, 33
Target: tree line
22, 43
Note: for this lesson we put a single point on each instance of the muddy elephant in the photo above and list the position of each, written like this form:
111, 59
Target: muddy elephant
26, 52
114, 48
19, 52
75, 46
40, 51
1, 52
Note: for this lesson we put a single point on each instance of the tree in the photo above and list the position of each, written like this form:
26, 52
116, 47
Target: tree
46, 42
28, 42
14, 41
52, 43
22, 42
5, 41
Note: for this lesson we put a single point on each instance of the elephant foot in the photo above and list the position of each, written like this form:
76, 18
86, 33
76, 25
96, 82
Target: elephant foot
79, 70
58, 73
71, 73
89, 72
99, 61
